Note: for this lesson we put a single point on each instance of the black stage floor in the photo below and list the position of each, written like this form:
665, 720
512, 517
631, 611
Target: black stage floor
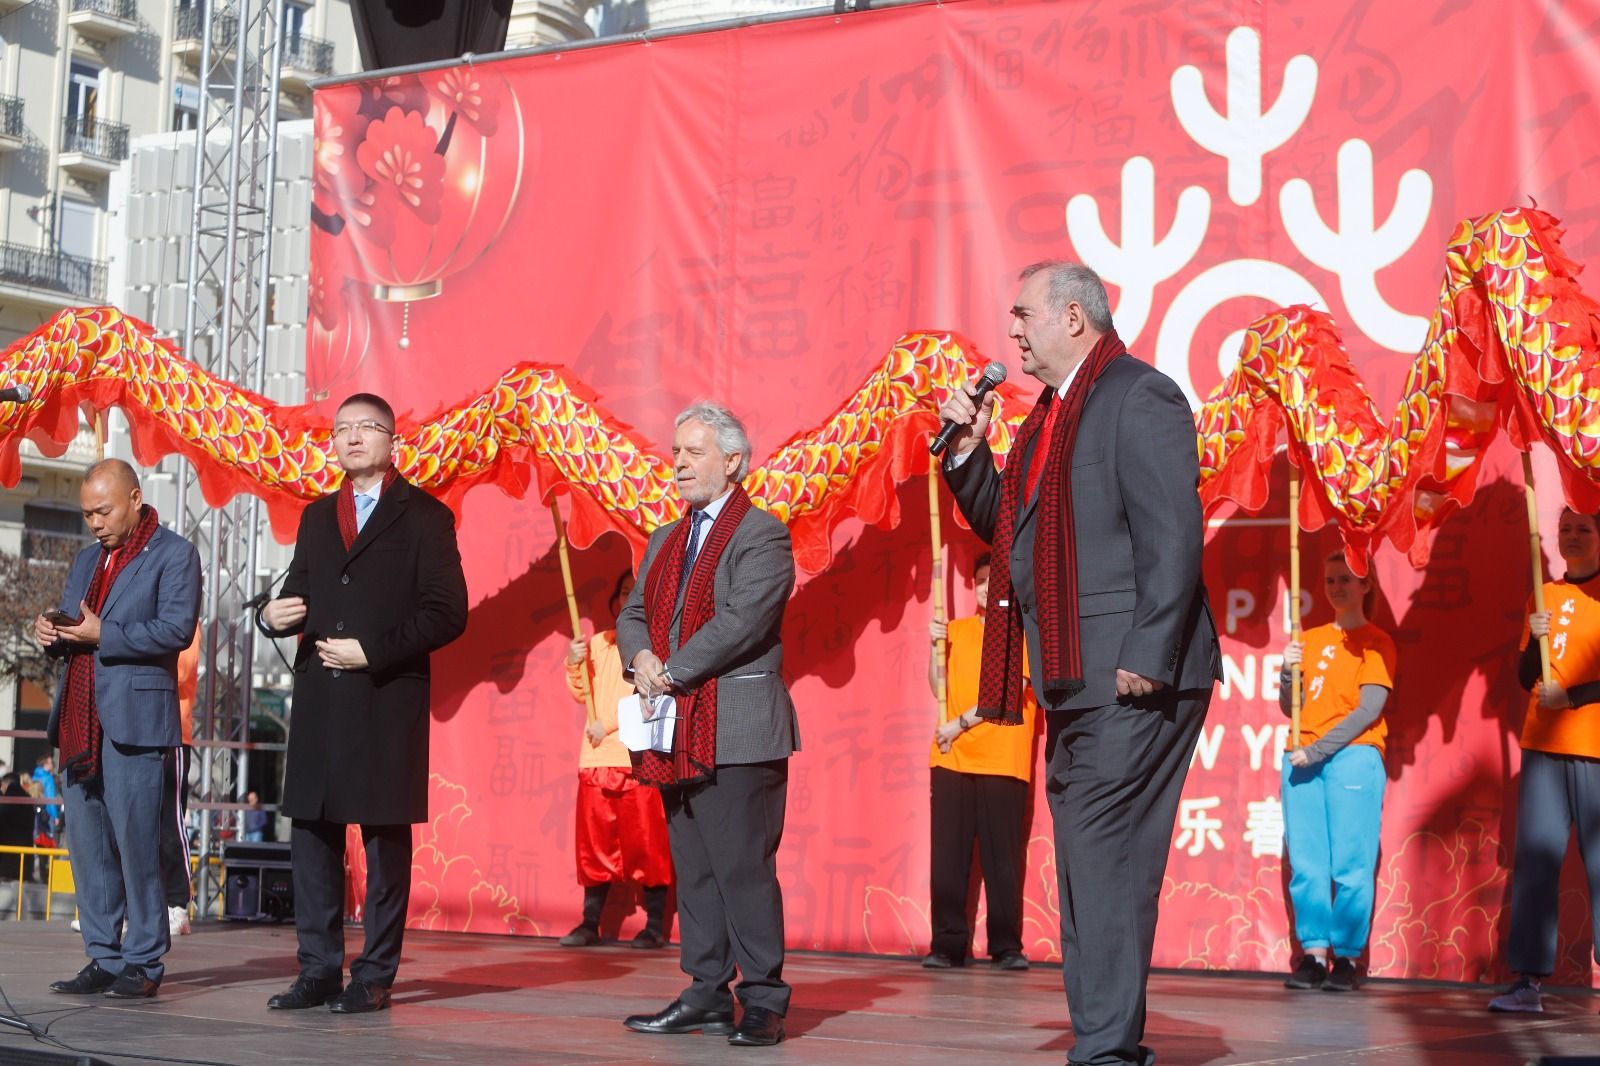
480, 999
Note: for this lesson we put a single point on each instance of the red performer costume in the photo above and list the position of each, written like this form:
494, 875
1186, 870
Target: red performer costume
622, 827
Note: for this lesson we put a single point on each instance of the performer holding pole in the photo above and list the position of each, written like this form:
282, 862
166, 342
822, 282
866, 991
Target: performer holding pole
978, 793
1333, 786
1559, 789
622, 829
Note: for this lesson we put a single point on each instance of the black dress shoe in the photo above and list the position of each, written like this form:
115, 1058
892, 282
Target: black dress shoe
132, 983
360, 998
647, 939
679, 1017
937, 960
306, 992
90, 979
758, 1028
1009, 960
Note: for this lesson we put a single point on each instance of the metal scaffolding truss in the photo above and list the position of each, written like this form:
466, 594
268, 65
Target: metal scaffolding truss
224, 331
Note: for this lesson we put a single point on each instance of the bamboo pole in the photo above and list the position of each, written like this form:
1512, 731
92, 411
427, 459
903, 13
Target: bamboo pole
1537, 552
940, 680
99, 436
572, 601
1294, 598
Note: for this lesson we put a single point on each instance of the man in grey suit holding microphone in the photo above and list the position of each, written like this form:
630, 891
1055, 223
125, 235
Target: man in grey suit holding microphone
130, 606
704, 624
1096, 527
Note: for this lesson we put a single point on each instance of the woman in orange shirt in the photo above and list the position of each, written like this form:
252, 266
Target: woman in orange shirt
622, 827
1560, 785
1333, 783
979, 773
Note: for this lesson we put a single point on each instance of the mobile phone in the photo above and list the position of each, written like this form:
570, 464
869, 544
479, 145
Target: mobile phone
62, 618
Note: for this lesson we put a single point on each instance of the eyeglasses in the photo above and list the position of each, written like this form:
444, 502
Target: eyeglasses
366, 427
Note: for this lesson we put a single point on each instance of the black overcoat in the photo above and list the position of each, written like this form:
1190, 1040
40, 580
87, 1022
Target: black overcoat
358, 739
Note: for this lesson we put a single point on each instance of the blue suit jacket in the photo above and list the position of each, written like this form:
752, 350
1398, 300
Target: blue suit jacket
148, 618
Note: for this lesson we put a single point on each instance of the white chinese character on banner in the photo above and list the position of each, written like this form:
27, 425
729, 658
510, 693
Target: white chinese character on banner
1263, 827
1199, 825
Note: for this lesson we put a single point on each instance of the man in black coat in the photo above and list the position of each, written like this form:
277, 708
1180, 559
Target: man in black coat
1097, 534
375, 586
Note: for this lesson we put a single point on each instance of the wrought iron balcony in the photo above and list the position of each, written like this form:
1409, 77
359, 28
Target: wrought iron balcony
104, 20
190, 28
70, 275
11, 118
93, 143
311, 55
126, 10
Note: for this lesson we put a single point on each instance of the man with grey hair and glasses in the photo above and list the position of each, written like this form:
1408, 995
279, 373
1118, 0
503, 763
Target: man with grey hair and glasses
1097, 531
703, 625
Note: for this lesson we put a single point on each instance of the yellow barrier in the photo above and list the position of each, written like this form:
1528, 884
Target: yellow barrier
57, 879
59, 875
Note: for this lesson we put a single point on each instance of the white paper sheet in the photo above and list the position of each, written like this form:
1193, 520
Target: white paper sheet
641, 734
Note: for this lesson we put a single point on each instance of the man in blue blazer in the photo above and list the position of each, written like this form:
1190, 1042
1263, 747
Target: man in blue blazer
133, 601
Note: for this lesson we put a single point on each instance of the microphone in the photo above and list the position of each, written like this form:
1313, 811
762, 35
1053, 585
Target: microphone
16, 394
993, 374
259, 600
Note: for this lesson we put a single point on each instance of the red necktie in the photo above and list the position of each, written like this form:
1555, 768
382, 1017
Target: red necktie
1041, 448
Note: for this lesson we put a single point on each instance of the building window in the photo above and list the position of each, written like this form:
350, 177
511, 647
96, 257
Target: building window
185, 106
83, 96
295, 19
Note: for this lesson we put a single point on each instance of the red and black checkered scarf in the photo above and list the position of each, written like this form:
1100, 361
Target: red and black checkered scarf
347, 507
80, 729
694, 742
1055, 557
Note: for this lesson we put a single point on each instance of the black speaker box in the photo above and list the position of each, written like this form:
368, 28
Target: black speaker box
257, 885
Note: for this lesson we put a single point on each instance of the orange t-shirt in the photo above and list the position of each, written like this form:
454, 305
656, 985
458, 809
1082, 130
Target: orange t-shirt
1574, 660
1337, 663
605, 674
986, 748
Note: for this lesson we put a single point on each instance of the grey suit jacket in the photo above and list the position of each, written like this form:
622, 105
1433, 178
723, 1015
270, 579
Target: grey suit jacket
1138, 529
148, 617
741, 645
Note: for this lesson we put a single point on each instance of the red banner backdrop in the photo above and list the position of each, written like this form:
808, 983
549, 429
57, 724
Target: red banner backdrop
755, 215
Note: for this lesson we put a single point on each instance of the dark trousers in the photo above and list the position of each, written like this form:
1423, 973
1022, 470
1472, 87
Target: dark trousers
725, 835
1557, 794
1114, 778
115, 842
316, 852
988, 809
175, 869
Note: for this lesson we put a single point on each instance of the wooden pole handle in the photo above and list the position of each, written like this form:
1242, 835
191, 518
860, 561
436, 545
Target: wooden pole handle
935, 530
1294, 598
1536, 550
572, 601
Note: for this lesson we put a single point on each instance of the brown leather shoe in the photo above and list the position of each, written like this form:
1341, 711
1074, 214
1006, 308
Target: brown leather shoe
133, 983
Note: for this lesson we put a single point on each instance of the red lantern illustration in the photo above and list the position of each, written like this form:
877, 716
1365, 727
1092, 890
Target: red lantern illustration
420, 173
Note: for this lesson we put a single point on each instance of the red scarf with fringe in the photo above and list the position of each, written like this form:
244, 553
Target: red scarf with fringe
1055, 555
81, 732
694, 741
347, 506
